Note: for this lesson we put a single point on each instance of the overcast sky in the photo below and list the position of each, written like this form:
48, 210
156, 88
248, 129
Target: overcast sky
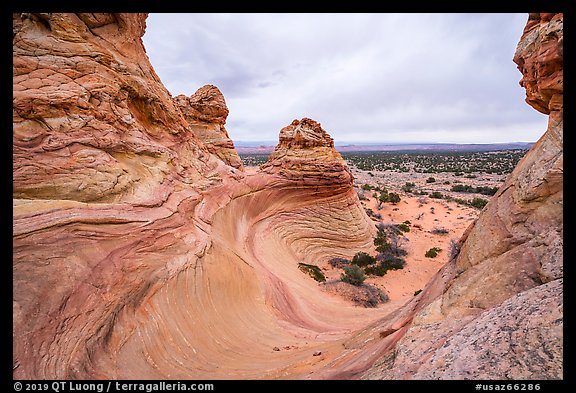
365, 77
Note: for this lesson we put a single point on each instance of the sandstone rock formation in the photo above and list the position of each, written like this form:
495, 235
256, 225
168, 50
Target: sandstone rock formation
136, 252
305, 154
206, 113
141, 251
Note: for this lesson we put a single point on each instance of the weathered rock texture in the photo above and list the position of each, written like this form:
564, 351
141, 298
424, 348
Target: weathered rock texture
136, 252
496, 311
141, 251
305, 154
206, 113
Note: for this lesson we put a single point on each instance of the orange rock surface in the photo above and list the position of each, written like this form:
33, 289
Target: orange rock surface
142, 249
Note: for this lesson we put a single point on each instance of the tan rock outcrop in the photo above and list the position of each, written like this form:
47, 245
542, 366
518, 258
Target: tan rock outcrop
305, 154
139, 251
136, 252
206, 113
106, 171
499, 313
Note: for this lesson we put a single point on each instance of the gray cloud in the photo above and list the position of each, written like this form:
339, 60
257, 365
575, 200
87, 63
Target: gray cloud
365, 77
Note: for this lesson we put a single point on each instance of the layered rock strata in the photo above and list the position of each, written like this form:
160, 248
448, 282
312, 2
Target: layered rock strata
496, 310
137, 251
140, 251
206, 113
305, 154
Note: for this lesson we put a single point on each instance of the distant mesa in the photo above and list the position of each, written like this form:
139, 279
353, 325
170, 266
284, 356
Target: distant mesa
413, 147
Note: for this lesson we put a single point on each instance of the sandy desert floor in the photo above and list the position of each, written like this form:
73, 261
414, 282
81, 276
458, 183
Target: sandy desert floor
425, 214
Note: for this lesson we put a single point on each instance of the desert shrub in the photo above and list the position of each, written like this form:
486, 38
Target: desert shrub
384, 197
377, 216
366, 187
393, 263
363, 259
446, 182
433, 252
417, 292
430, 180
470, 176
369, 211
458, 174
403, 227
461, 188
393, 198
384, 248
371, 174
388, 240
339, 262
408, 187
484, 190
387, 261
439, 231
478, 203
436, 195
313, 270
376, 270
353, 275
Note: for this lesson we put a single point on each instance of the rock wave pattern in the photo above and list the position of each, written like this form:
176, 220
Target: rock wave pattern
142, 249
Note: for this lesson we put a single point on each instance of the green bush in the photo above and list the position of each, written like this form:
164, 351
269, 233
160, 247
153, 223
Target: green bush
363, 259
394, 263
353, 275
313, 270
433, 252
393, 198
339, 262
430, 180
436, 195
408, 187
366, 187
377, 270
484, 190
384, 197
478, 203
387, 262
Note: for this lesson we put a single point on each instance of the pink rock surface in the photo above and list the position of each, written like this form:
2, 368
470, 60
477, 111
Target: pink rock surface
206, 113
141, 251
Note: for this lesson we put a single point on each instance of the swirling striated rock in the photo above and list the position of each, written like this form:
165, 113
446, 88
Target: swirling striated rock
206, 113
496, 310
106, 173
82, 105
139, 254
136, 252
